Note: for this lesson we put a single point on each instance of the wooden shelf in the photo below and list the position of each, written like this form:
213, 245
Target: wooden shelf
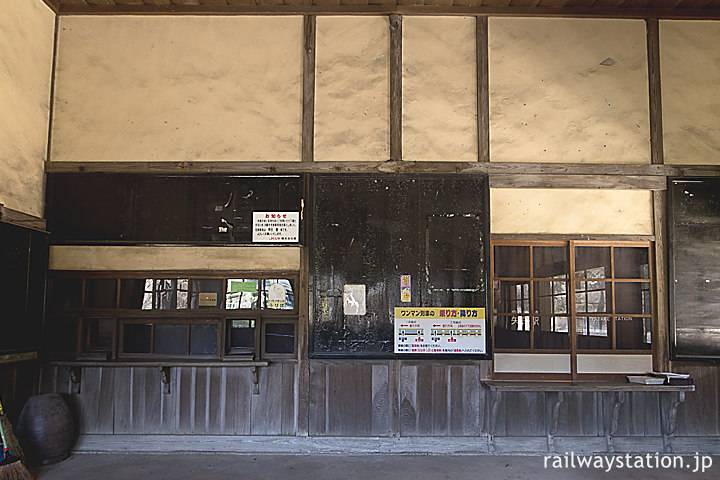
559, 386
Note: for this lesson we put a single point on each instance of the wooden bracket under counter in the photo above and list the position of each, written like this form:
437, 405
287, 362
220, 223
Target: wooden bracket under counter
620, 389
75, 369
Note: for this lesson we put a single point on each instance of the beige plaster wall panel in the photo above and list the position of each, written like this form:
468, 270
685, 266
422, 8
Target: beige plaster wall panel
439, 81
551, 100
182, 88
570, 211
174, 258
690, 79
352, 89
27, 30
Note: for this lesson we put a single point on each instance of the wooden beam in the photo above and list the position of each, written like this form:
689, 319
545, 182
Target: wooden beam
613, 182
564, 237
308, 112
395, 87
492, 168
661, 329
483, 89
8, 215
51, 113
656, 127
303, 368
521, 11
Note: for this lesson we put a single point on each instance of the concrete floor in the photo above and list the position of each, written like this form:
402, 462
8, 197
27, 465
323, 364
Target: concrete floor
339, 467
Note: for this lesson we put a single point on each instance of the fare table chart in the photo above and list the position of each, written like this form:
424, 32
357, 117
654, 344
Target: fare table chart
620, 388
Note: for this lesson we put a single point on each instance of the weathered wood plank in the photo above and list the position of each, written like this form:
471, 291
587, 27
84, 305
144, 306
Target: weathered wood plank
582, 8
424, 398
408, 400
185, 414
473, 401
440, 400
349, 405
288, 400
317, 411
380, 400
308, 107
202, 407
483, 89
656, 128
238, 407
661, 327
122, 395
396, 87
266, 406
648, 182
151, 391
169, 404
456, 404
492, 168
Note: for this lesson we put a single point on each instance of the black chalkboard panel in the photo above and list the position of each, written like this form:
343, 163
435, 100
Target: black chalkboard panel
694, 234
102, 208
23, 267
371, 230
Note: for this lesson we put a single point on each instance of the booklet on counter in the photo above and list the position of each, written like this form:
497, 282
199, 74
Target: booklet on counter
673, 378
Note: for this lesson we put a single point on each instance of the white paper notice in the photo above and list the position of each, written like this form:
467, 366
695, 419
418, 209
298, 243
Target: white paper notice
276, 227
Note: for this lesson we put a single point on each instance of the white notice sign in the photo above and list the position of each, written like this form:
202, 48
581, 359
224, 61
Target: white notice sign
276, 227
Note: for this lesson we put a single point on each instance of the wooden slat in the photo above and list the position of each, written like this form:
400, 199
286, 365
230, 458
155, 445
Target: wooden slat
408, 400
317, 401
578, 8
169, 405
238, 403
287, 406
308, 119
579, 181
122, 401
660, 332
395, 87
266, 416
656, 127
483, 89
8, 215
492, 168
380, 401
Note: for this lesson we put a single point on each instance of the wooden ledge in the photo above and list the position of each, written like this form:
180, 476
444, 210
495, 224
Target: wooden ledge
560, 386
159, 363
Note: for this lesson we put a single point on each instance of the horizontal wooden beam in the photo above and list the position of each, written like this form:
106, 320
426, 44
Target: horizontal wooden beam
614, 182
242, 167
524, 11
8, 215
564, 237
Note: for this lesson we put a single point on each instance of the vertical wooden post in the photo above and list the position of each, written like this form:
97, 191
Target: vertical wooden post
51, 105
396, 88
661, 327
656, 128
308, 108
302, 403
483, 87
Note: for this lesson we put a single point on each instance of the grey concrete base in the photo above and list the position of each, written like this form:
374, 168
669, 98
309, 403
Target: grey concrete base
340, 467
282, 445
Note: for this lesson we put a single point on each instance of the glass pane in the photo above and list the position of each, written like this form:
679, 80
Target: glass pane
512, 332
65, 292
551, 333
512, 262
203, 339
633, 333
511, 297
279, 338
593, 297
278, 294
166, 294
593, 333
98, 334
61, 334
550, 298
100, 292
550, 262
241, 337
136, 293
170, 339
632, 298
241, 293
631, 262
592, 262
182, 293
136, 338
207, 293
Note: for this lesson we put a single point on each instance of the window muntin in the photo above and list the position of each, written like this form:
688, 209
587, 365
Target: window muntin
609, 302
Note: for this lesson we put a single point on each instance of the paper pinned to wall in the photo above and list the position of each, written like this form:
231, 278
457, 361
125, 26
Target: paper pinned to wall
354, 300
